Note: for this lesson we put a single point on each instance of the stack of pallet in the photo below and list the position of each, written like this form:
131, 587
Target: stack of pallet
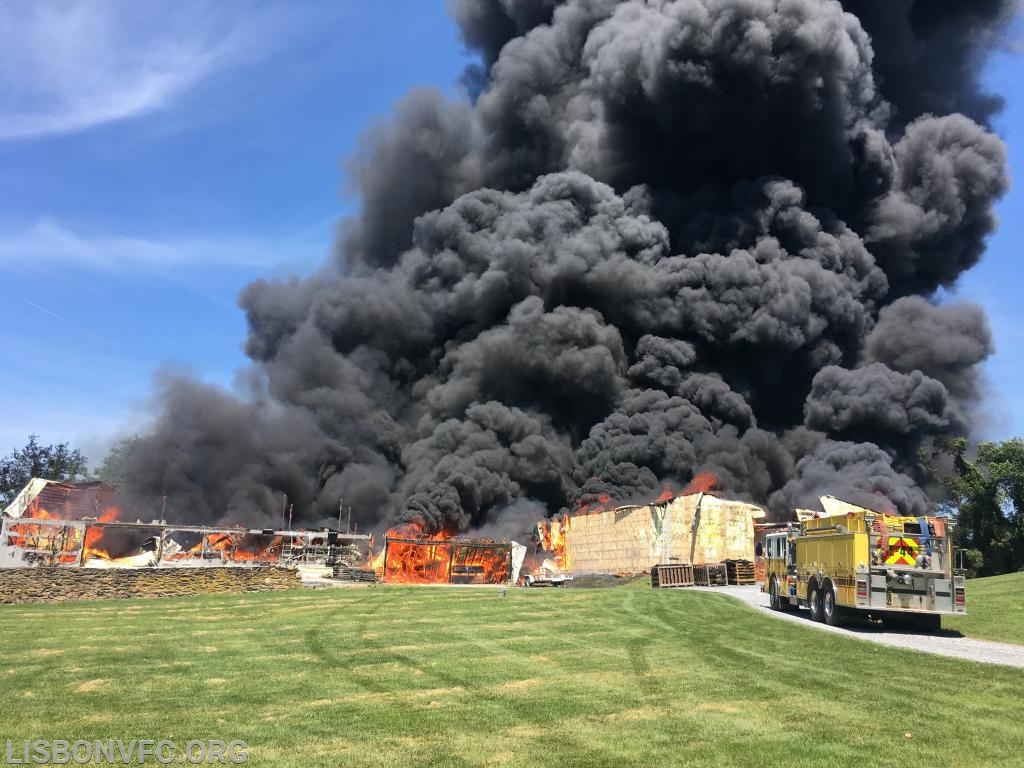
672, 575
622, 540
349, 573
710, 575
740, 572
632, 539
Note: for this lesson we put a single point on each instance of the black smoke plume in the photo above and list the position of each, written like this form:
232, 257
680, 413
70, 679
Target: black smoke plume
658, 238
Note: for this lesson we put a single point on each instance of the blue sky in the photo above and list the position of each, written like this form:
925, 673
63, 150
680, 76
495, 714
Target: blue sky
156, 157
997, 282
198, 153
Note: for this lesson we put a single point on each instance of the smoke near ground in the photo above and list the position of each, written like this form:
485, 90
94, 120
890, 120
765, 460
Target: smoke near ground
658, 238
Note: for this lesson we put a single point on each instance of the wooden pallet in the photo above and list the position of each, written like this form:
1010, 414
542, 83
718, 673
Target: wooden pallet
348, 573
672, 575
467, 574
740, 572
710, 575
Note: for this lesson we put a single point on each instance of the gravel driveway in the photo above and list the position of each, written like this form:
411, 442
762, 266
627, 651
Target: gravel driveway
942, 642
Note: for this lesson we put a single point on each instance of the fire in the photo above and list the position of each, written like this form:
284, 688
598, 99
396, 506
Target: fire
416, 558
53, 542
376, 563
411, 556
701, 483
93, 541
667, 494
38, 513
94, 537
229, 546
551, 538
551, 534
602, 501
251, 548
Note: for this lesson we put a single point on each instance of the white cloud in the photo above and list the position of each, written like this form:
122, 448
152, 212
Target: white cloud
90, 424
47, 242
72, 65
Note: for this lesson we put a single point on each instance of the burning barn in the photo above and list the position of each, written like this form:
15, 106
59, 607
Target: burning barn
79, 525
69, 501
410, 555
456, 560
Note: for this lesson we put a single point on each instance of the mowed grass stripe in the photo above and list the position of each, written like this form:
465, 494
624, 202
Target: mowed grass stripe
401, 676
995, 609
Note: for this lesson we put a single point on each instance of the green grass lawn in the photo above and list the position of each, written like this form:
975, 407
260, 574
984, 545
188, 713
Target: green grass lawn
405, 676
995, 609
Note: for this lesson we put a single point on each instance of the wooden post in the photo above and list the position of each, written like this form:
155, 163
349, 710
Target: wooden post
81, 549
666, 535
695, 526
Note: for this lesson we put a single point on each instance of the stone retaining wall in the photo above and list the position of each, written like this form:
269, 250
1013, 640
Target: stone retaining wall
57, 585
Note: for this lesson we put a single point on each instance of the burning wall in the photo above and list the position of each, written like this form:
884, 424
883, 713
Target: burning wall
69, 501
54, 523
445, 561
698, 528
77, 524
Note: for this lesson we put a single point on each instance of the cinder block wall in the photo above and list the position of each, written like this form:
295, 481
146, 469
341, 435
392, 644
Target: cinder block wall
52, 584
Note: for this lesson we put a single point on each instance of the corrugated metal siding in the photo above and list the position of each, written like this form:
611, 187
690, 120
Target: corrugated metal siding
69, 501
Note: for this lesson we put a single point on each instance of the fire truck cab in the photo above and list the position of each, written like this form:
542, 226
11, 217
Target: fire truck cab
854, 561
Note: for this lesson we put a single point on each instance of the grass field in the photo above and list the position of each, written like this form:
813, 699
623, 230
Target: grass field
405, 676
995, 609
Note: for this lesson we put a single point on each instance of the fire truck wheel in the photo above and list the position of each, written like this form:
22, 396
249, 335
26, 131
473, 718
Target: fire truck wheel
814, 601
832, 612
773, 595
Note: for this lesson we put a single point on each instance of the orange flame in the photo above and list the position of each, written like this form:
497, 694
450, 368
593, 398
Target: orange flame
701, 483
426, 561
411, 556
551, 538
599, 506
551, 534
52, 542
60, 544
667, 494
229, 546
94, 546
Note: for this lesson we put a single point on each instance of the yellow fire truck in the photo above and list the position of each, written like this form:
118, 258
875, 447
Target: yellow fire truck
854, 561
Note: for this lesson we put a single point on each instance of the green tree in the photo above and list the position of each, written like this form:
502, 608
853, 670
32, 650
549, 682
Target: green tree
112, 469
988, 494
50, 462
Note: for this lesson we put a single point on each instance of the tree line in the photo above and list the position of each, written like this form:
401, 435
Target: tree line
987, 495
985, 491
